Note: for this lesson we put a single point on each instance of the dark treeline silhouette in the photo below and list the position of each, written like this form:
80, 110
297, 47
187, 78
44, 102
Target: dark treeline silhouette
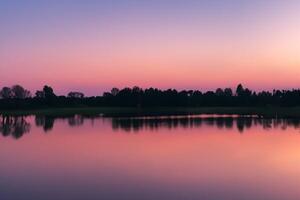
16, 97
17, 126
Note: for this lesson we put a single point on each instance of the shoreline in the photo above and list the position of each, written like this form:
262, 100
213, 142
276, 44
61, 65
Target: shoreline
272, 112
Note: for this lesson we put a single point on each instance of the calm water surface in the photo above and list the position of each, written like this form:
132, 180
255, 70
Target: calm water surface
199, 157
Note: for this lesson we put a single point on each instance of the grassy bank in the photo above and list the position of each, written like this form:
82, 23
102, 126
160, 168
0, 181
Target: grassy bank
132, 111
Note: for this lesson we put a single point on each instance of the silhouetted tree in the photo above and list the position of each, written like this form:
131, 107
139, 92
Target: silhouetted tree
48, 92
228, 92
19, 92
115, 91
219, 92
6, 93
239, 90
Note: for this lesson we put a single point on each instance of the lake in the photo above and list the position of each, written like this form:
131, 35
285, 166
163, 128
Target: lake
209, 157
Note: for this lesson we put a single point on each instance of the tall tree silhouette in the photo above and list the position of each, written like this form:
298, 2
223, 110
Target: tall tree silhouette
239, 90
48, 92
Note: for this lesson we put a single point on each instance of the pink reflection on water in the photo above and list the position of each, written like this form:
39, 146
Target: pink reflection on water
202, 162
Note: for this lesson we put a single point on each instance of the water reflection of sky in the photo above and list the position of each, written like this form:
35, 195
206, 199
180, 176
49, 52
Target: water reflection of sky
185, 158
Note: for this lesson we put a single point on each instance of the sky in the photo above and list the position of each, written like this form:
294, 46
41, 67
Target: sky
92, 46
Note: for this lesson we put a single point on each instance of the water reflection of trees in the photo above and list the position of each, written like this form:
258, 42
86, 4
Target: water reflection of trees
47, 122
16, 126
241, 123
76, 120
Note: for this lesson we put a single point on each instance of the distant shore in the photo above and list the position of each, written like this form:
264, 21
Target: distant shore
288, 112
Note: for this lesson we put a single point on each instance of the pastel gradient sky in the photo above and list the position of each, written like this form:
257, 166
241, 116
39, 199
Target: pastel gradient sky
92, 46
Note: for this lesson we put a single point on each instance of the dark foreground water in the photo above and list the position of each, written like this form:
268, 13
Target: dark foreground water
199, 157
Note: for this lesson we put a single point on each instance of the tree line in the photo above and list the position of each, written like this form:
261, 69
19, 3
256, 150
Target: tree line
17, 97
